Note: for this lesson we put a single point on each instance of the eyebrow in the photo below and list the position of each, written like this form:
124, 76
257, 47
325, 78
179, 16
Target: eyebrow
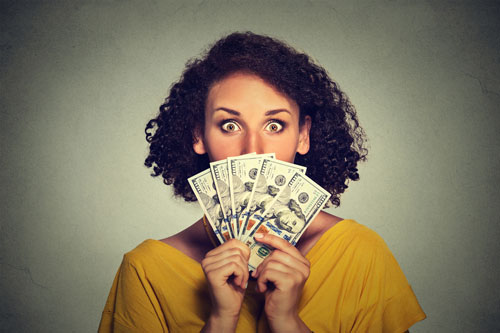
236, 113
273, 112
233, 112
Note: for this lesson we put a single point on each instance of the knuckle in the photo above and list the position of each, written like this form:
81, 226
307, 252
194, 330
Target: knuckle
235, 258
283, 257
204, 263
305, 274
239, 251
246, 249
236, 244
276, 255
232, 265
269, 263
275, 262
210, 275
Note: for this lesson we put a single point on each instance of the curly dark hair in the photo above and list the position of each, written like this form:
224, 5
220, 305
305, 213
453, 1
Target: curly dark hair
336, 138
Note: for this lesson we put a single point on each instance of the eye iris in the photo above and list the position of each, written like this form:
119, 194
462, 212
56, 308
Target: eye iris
229, 127
274, 127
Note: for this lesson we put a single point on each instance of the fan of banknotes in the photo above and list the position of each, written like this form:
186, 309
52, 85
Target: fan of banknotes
256, 193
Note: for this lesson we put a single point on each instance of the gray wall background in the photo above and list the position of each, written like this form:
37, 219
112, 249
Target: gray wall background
79, 80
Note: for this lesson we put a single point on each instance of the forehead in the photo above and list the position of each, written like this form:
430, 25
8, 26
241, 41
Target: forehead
242, 90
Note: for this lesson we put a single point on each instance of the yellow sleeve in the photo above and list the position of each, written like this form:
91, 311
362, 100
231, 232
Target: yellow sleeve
132, 305
402, 309
356, 285
390, 304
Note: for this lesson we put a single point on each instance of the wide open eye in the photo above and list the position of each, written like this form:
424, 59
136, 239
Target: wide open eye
274, 126
230, 126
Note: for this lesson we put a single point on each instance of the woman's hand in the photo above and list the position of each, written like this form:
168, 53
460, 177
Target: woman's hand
281, 276
226, 270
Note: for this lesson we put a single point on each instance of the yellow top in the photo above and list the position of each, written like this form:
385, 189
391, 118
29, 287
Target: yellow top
355, 285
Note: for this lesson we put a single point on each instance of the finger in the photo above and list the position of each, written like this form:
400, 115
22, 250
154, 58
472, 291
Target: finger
230, 252
285, 263
242, 280
280, 257
287, 258
219, 275
232, 243
280, 280
280, 244
283, 281
214, 265
273, 265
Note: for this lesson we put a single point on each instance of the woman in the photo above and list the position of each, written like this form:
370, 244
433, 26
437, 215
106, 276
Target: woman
251, 93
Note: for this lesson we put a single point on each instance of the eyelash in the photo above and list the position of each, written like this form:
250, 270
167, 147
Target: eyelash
279, 122
227, 121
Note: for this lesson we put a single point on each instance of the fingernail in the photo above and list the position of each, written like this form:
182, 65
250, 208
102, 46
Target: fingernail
246, 285
259, 236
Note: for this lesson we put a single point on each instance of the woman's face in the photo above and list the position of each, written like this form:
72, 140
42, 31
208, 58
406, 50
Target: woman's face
244, 114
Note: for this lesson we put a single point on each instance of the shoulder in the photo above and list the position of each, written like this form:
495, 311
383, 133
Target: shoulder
191, 241
327, 228
147, 251
350, 239
155, 260
356, 233
354, 251
362, 235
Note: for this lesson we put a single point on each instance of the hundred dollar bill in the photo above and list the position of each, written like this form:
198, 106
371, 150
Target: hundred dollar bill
243, 171
221, 180
273, 176
203, 187
289, 216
